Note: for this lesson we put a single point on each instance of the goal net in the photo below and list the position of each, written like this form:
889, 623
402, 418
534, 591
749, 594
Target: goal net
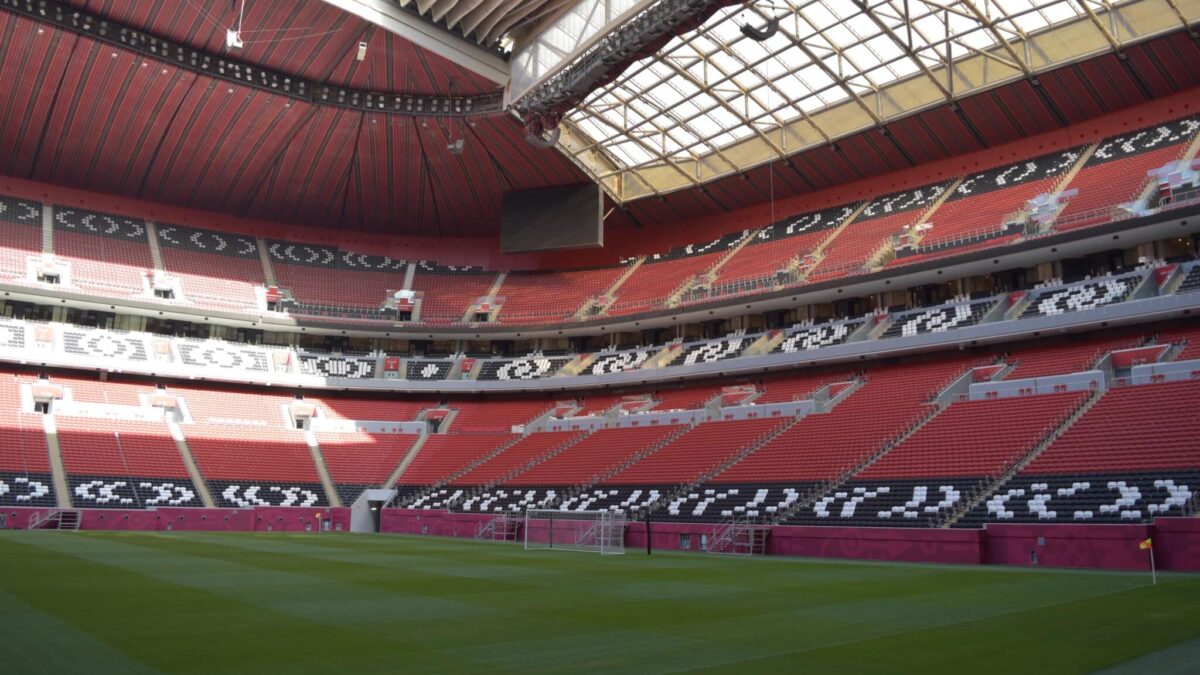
600, 532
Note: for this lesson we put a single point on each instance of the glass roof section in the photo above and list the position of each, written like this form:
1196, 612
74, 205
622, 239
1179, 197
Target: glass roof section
714, 102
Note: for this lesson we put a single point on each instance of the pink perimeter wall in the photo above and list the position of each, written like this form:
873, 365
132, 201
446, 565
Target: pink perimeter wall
1099, 546
261, 519
1176, 541
961, 547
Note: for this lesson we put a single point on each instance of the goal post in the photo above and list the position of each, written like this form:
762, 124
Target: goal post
600, 532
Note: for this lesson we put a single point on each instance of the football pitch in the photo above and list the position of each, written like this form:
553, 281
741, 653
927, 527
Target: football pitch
107, 602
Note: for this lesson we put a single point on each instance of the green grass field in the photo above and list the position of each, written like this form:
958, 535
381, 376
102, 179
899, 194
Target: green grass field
274, 603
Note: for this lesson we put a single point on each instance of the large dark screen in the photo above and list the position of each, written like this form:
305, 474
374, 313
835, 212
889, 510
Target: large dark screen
552, 218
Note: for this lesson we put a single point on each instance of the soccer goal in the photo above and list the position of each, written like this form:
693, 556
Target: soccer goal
600, 532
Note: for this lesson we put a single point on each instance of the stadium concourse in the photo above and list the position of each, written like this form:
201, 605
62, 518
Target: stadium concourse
513, 283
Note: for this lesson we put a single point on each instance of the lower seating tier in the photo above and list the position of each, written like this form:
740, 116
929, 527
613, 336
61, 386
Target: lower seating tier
348, 493
888, 503
1089, 498
124, 492
26, 489
251, 492
716, 502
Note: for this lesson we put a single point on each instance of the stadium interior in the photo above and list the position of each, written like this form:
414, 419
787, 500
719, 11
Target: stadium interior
929, 269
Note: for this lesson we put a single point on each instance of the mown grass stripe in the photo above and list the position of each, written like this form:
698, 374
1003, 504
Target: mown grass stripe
317, 603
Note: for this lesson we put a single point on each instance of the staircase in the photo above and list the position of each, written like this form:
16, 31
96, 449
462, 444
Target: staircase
58, 472
938, 404
189, 462
47, 229
1065, 181
928, 212
318, 459
747, 450
467, 468
55, 519
500, 528
152, 242
637, 457
738, 536
609, 292
265, 258
409, 456
991, 485
535, 461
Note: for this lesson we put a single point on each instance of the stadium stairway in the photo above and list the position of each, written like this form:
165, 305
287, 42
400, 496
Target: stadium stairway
408, 457
1063, 182
709, 275
152, 243
265, 258
599, 305
531, 450
887, 250
193, 469
744, 452
940, 402
57, 471
47, 230
818, 253
988, 488
633, 459
314, 447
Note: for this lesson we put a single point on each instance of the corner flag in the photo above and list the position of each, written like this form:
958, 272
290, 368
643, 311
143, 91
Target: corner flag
1147, 545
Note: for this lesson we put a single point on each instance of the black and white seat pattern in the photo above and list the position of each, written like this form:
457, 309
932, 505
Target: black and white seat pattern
711, 352
337, 366
1098, 498
712, 503
624, 499
23, 211
888, 503
131, 493
207, 241
618, 362
938, 319
104, 224
529, 368
816, 337
427, 370
722, 243
511, 500
315, 255
12, 334
999, 178
442, 498
1144, 140
814, 221
1081, 297
244, 494
431, 267
26, 489
899, 202
223, 356
104, 344
348, 493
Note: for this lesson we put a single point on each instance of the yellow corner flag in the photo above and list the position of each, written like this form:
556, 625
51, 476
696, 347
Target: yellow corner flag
1145, 545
